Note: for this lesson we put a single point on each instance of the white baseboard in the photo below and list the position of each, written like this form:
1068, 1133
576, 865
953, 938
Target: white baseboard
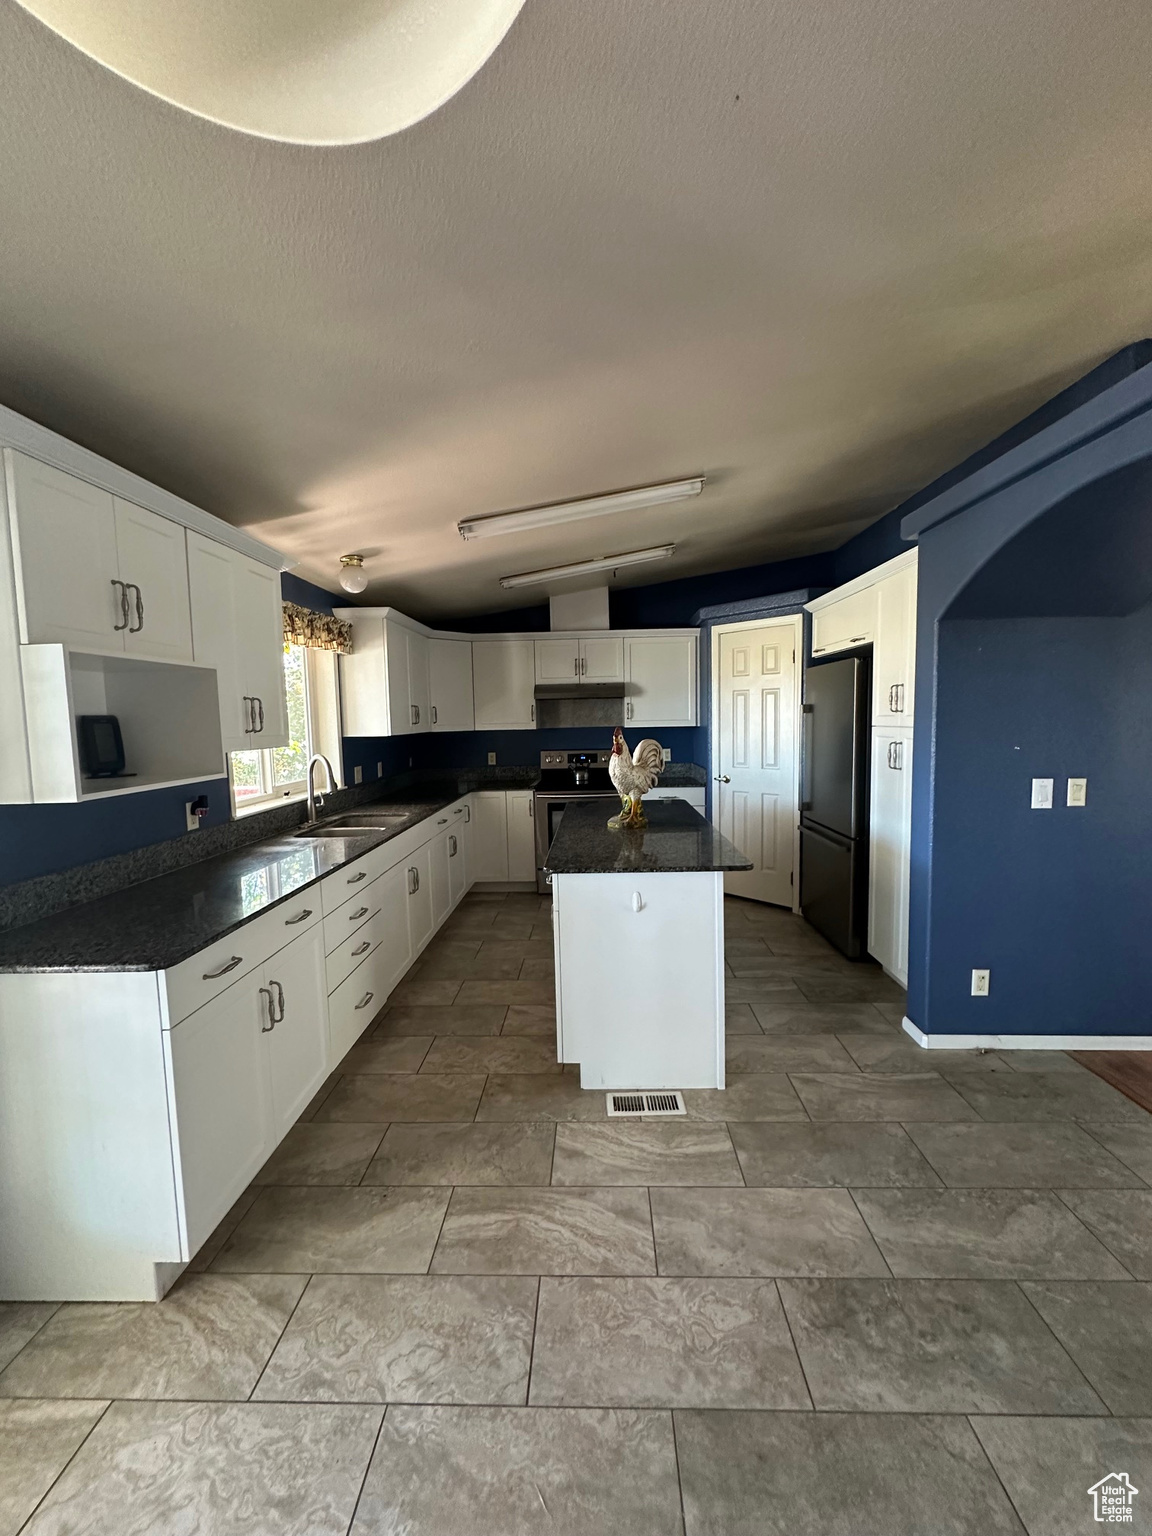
1027, 1042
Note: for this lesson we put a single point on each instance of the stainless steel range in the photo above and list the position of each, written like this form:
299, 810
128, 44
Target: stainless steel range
564, 777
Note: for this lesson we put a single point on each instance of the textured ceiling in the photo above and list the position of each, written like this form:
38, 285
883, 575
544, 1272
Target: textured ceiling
817, 252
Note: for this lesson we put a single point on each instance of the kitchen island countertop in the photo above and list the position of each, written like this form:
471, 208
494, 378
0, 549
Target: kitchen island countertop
677, 840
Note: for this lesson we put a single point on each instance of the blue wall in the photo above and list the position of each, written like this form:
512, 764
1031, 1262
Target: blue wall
1055, 902
1034, 640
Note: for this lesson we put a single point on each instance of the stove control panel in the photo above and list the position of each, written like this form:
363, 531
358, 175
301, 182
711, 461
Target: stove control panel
575, 759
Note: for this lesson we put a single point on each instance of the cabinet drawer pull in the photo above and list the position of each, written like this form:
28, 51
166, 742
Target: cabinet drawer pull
355, 879
359, 912
224, 969
299, 918
365, 1000
443, 822
459, 811
360, 948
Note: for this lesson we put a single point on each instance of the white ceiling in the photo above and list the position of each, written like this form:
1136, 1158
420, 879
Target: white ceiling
817, 252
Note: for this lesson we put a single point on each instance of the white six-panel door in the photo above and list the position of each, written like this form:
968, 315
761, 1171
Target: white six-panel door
754, 796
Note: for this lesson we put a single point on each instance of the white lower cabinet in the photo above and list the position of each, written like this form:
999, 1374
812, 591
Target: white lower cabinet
490, 835
141, 1105
297, 1043
521, 836
503, 837
890, 835
441, 892
222, 1099
421, 924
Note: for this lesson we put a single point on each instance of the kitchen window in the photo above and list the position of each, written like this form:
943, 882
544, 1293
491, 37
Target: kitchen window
271, 775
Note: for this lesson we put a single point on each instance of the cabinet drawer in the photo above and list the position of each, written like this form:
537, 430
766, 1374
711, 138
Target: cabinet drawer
347, 956
353, 915
203, 976
353, 1006
693, 796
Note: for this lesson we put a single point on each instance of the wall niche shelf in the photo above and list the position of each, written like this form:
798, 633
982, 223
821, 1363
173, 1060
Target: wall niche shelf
169, 716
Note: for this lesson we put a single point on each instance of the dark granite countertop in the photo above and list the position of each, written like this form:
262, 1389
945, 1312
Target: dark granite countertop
677, 840
157, 923
682, 776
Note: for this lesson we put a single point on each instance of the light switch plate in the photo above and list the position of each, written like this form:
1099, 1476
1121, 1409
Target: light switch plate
1042, 794
357, 775
1077, 791
379, 770
981, 983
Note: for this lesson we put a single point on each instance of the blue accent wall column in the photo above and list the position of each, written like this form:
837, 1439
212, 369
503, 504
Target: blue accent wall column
1034, 639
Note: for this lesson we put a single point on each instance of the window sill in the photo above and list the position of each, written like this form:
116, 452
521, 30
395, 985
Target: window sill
272, 803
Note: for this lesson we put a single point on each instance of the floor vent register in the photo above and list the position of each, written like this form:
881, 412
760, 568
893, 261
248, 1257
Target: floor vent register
645, 1104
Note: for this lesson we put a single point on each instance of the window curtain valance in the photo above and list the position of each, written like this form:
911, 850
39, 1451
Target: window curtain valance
318, 631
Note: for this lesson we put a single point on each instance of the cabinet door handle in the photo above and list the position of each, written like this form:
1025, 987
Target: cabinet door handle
139, 624
299, 918
899, 698
583, 665
280, 997
123, 624
451, 846
416, 875
532, 712
434, 714
359, 912
628, 710
355, 879
531, 809
260, 707
576, 666
229, 965
467, 813
360, 948
266, 1029
637, 902
250, 724
365, 1000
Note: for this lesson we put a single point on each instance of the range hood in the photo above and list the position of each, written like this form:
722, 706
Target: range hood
576, 690
574, 705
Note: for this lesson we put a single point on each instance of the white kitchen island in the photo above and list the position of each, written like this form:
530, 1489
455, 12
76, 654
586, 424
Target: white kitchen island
638, 927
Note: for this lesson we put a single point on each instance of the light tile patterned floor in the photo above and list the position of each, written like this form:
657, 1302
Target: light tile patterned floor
865, 1291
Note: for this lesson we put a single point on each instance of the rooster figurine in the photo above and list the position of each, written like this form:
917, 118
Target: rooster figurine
633, 776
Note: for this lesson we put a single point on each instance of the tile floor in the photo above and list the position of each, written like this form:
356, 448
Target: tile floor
865, 1291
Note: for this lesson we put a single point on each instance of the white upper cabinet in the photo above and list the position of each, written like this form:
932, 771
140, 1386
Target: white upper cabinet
450, 669
601, 659
93, 570
894, 652
387, 679
401, 709
238, 628
504, 676
558, 659
419, 682
660, 680
580, 659
845, 622
153, 566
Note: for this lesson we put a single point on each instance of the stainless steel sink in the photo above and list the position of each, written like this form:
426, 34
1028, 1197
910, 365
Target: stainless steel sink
353, 822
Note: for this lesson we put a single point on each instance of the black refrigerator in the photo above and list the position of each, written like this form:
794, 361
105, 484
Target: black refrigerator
834, 802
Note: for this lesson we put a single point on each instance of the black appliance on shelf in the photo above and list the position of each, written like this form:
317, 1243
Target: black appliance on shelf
101, 747
837, 716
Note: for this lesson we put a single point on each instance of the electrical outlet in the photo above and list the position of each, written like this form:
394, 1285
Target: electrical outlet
667, 751
1077, 791
357, 775
981, 981
1042, 794
491, 759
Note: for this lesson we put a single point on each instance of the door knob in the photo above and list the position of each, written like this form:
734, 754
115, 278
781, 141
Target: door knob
722, 778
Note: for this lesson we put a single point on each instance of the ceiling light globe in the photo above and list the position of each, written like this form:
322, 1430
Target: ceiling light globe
353, 576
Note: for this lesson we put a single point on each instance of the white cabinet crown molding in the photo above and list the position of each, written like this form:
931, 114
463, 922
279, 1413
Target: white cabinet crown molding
394, 615
869, 579
49, 447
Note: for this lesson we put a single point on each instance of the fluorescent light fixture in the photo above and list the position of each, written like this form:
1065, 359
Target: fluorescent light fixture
588, 567
572, 511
